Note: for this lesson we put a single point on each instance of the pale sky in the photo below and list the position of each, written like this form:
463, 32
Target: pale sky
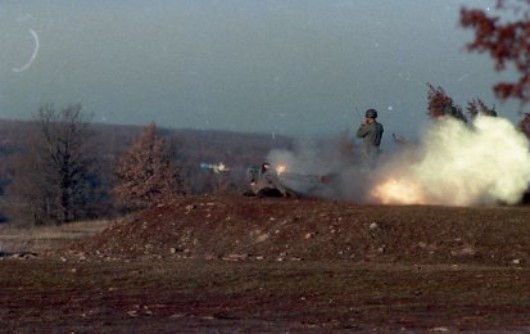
294, 67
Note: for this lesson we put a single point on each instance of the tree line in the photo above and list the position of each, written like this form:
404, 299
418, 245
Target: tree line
61, 167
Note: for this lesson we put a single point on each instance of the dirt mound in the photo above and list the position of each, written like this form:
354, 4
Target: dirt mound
240, 228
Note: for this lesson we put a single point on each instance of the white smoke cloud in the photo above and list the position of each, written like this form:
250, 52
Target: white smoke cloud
314, 168
456, 164
485, 162
311, 157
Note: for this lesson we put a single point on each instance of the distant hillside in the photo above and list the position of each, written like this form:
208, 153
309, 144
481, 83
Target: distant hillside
190, 147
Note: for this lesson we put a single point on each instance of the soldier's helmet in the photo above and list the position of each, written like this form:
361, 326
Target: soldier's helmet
371, 113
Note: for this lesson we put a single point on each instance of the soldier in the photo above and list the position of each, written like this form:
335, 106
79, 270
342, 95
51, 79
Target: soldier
371, 132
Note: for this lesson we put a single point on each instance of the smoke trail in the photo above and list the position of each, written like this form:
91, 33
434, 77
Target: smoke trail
486, 162
33, 56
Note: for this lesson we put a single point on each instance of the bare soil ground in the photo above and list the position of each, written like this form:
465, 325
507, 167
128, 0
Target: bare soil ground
236, 264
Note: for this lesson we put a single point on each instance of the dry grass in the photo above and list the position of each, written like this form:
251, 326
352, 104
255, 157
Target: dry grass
39, 239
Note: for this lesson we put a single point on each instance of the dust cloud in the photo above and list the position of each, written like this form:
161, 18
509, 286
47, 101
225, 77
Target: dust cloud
484, 162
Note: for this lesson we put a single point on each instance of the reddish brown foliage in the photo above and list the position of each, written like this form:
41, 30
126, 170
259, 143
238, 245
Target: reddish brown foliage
437, 99
146, 174
440, 104
506, 41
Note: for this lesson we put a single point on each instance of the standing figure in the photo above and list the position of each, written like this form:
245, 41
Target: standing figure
371, 132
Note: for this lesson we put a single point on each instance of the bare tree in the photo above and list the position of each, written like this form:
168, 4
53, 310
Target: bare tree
56, 176
147, 173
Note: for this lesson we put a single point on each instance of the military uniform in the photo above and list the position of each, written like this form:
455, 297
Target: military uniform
371, 132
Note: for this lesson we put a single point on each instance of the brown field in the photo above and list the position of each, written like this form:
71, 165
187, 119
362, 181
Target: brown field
250, 265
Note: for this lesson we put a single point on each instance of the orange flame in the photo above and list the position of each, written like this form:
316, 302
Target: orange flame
399, 191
